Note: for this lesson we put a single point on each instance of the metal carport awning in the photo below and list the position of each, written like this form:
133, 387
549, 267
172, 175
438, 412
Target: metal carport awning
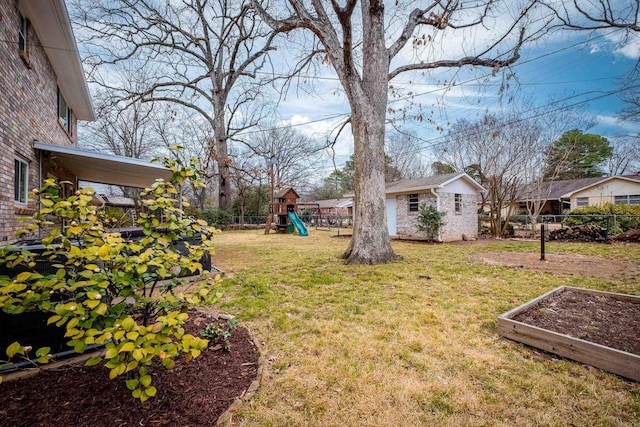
106, 168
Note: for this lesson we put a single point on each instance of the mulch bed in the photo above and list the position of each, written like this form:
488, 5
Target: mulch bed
193, 394
599, 319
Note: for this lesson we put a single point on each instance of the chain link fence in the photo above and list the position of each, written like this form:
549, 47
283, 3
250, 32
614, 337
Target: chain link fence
613, 224
310, 220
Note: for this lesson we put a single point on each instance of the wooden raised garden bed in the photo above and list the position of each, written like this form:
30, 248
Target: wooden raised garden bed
576, 333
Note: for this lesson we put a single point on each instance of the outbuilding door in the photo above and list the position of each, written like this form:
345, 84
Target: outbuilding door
391, 216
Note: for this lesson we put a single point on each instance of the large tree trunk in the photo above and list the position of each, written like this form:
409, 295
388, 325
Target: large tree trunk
368, 99
222, 159
370, 242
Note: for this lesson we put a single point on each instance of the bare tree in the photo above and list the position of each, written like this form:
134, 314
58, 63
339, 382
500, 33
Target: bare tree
250, 184
404, 150
539, 171
366, 54
625, 158
123, 132
123, 129
293, 155
595, 15
510, 155
631, 98
493, 151
186, 136
201, 55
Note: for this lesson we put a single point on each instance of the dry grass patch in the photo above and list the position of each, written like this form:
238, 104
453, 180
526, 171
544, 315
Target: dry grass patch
408, 343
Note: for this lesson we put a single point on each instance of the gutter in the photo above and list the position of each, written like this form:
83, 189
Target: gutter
438, 209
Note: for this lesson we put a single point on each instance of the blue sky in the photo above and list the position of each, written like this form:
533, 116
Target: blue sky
579, 68
569, 66
591, 63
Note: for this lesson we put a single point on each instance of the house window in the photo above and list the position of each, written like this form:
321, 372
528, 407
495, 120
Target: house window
458, 203
23, 26
22, 33
413, 203
633, 199
64, 112
21, 181
582, 201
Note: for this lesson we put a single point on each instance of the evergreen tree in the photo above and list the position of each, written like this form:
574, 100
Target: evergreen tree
578, 155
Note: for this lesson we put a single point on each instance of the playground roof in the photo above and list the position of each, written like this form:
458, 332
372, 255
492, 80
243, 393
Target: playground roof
282, 193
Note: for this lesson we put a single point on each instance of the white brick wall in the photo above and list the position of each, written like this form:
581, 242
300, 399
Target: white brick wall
455, 225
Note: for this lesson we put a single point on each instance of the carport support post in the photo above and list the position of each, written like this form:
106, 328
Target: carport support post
542, 241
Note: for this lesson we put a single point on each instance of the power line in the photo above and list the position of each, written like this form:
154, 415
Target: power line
433, 143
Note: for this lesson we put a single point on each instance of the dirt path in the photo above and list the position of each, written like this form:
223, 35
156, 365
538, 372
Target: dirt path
559, 263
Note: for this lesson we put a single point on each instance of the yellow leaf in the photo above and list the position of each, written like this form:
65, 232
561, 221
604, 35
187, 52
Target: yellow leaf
111, 353
23, 276
128, 324
145, 380
137, 354
132, 365
73, 322
113, 373
121, 369
53, 319
103, 252
92, 303
101, 310
129, 346
75, 230
13, 349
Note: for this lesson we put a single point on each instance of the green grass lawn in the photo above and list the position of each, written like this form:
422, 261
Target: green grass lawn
409, 343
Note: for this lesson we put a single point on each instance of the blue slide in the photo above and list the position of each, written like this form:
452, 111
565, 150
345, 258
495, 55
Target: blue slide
302, 230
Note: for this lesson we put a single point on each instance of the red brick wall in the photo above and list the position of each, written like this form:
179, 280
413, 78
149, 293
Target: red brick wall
28, 112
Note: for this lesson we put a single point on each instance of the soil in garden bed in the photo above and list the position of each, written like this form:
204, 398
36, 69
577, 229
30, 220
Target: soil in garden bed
191, 394
600, 319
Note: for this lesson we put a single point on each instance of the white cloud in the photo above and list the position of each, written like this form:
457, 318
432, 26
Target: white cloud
614, 121
626, 44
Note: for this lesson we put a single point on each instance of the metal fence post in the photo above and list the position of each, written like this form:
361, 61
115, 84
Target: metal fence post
542, 241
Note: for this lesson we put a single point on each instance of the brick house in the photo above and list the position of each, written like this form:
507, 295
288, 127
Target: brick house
343, 206
455, 194
44, 95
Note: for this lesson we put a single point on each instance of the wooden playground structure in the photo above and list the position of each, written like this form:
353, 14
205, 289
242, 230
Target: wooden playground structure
283, 211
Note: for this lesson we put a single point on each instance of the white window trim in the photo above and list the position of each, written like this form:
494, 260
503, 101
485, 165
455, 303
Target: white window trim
627, 199
65, 121
23, 29
457, 205
25, 186
579, 201
23, 39
416, 203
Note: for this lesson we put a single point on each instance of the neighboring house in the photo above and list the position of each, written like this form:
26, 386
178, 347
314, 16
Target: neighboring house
44, 94
343, 206
455, 194
559, 196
